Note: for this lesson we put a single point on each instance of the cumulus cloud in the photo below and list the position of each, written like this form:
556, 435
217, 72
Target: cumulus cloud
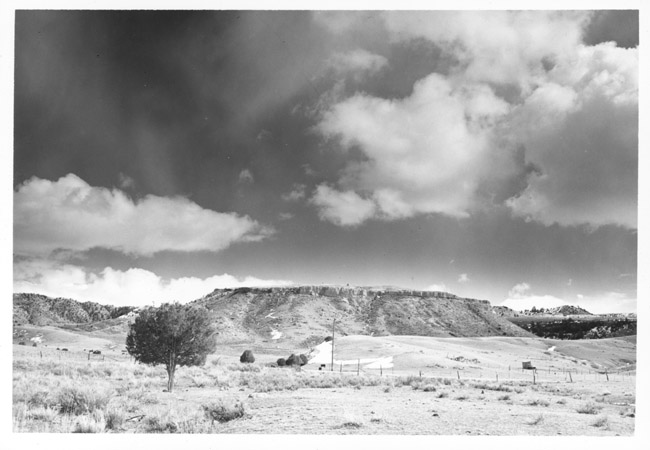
342, 208
511, 84
463, 278
500, 47
70, 214
359, 62
422, 154
581, 131
132, 287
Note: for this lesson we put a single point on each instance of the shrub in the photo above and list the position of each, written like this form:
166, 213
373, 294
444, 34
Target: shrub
538, 402
601, 422
588, 408
157, 424
442, 395
223, 413
536, 420
504, 398
88, 424
78, 400
114, 419
247, 357
281, 362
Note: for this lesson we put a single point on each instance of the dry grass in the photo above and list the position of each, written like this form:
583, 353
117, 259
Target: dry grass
65, 396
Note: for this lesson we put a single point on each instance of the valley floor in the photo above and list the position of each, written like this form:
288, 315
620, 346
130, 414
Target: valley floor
460, 386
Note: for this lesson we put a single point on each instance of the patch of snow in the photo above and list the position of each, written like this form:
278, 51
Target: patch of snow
275, 334
552, 349
322, 354
381, 363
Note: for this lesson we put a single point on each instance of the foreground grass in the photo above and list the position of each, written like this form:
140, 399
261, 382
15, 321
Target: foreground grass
51, 395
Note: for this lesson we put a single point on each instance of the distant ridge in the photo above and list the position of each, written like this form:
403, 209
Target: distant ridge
300, 313
37, 309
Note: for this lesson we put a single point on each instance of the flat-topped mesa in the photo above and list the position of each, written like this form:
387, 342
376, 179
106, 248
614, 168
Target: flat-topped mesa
336, 291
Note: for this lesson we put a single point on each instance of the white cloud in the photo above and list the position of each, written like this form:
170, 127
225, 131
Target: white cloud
499, 47
521, 298
423, 154
463, 278
297, 193
530, 301
519, 290
437, 287
133, 287
449, 145
245, 176
359, 62
581, 132
341, 208
607, 302
72, 215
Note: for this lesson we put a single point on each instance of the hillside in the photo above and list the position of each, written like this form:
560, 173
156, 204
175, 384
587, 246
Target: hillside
306, 313
36, 309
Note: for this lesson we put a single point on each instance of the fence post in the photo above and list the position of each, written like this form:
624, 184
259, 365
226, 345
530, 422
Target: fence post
458, 373
420, 374
606, 375
358, 366
381, 371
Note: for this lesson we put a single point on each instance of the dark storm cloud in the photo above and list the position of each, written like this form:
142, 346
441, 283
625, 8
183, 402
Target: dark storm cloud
620, 26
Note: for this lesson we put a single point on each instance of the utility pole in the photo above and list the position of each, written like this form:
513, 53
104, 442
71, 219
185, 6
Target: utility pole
332, 364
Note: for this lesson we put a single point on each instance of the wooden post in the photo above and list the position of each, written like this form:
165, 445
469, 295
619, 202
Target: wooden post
420, 374
570, 377
332, 366
458, 373
607, 376
88, 356
358, 366
533, 377
341, 368
381, 372
41, 354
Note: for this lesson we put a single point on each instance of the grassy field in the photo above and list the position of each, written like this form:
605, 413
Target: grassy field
464, 386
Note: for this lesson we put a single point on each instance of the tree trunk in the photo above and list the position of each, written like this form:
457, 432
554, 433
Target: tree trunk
170, 380
171, 368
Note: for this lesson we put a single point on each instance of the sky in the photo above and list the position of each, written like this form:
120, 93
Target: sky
159, 155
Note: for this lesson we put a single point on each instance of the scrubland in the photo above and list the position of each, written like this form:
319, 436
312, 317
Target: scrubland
73, 394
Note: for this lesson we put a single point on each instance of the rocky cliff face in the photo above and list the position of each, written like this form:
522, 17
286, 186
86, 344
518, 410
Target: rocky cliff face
302, 313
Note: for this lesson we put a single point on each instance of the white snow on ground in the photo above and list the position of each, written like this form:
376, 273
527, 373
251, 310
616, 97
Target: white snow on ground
275, 334
552, 349
322, 354
381, 363
270, 315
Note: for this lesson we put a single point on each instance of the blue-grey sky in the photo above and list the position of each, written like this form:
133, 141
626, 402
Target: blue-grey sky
159, 155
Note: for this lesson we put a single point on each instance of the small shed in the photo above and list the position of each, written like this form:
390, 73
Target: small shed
527, 365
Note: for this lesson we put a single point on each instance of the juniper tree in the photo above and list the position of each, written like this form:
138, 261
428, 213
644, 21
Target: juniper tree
172, 335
